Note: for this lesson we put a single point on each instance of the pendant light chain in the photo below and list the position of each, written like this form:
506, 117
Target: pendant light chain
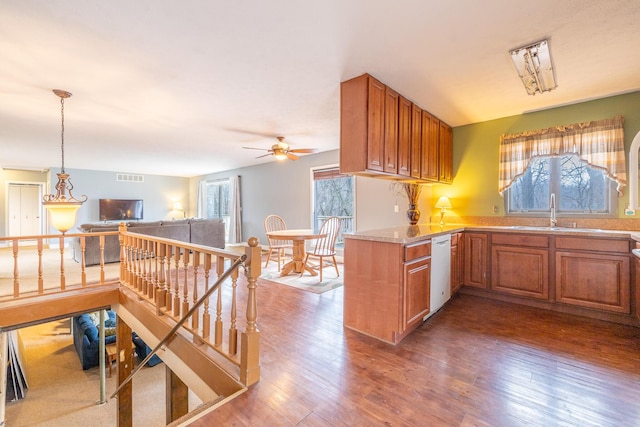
62, 131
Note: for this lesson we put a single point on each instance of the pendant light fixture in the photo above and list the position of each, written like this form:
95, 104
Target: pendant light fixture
62, 206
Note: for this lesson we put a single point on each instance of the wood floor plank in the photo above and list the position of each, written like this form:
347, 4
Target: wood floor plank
477, 362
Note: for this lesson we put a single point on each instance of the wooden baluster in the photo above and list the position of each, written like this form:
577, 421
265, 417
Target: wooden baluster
102, 258
206, 317
195, 316
40, 281
168, 301
122, 228
185, 286
176, 285
62, 278
151, 289
154, 273
233, 330
16, 275
250, 346
129, 255
83, 265
145, 260
139, 254
218, 328
161, 295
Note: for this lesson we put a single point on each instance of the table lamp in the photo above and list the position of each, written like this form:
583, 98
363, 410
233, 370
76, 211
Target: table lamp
444, 204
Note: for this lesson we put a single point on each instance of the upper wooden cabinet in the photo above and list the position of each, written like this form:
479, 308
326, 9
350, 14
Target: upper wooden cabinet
391, 131
384, 134
430, 134
404, 136
445, 153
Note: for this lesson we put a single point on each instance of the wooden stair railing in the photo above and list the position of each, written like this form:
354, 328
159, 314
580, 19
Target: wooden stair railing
170, 276
182, 320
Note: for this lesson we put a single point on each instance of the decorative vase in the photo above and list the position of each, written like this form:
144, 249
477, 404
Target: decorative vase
413, 214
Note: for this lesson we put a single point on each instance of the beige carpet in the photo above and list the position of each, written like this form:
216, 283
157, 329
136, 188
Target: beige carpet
51, 261
62, 394
305, 282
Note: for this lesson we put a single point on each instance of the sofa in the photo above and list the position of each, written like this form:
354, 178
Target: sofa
87, 343
207, 232
86, 334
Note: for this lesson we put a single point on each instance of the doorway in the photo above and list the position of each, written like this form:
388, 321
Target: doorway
24, 209
333, 195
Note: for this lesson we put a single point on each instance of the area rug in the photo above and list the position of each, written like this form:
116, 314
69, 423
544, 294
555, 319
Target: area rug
305, 282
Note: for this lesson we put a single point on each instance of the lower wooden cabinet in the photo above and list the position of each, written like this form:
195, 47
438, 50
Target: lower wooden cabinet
520, 271
417, 278
476, 252
457, 262
594, 280
386, 287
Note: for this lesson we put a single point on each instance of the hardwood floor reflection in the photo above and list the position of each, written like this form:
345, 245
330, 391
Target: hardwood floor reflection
476, 363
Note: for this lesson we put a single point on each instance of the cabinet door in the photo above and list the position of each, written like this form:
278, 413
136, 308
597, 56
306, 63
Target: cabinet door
520, 271
375, 128
391, 100
416, 138
475, 257
637, 283
593, 280
430, 136
417, 288
457, 262
404, 137
445, 147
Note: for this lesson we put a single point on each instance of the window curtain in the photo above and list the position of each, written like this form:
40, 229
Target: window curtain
235, 217
201, 204
598, 143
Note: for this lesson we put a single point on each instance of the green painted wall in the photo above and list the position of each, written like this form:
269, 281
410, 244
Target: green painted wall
474, 191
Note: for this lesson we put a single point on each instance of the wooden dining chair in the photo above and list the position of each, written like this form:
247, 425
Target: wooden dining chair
325, 247
276, 223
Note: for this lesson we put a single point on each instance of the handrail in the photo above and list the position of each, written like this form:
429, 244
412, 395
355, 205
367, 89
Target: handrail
184, 318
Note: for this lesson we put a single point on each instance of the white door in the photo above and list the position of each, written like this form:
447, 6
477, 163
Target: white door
24, 209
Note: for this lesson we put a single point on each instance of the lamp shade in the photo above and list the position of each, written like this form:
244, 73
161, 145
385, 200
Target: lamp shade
443, 203
62, 215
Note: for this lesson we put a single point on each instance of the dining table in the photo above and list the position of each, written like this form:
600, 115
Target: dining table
298, 237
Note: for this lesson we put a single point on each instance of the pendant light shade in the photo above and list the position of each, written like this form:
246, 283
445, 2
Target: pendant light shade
62, 206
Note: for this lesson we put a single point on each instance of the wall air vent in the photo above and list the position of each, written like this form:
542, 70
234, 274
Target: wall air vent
127, 177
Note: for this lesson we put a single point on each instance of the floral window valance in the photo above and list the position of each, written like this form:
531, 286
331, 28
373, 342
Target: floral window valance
598, 143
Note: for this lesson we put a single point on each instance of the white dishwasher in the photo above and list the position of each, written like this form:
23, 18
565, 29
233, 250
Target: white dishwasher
440, 272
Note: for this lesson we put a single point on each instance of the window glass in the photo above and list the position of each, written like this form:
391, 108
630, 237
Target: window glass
333, 196
579, 188
218, 202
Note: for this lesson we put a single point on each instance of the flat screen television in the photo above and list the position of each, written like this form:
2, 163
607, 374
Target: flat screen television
120, 209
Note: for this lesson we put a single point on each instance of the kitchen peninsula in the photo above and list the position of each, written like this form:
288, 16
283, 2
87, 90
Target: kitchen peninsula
586, 272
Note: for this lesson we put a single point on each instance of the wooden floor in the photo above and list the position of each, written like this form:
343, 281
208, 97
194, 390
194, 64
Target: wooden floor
477, 362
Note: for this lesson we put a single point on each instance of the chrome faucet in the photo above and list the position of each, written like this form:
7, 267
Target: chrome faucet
552, 206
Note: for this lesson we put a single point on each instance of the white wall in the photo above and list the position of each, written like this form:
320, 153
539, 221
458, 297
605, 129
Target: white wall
157, 192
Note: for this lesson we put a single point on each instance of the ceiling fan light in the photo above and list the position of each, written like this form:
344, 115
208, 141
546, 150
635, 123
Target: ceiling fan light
280, 155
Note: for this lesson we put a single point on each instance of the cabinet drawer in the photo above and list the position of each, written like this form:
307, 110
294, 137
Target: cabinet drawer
530, 240
417, 250
593, 244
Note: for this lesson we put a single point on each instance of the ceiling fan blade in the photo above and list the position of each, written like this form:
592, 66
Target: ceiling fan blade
253, 148
264, 155
292, 156
304, 150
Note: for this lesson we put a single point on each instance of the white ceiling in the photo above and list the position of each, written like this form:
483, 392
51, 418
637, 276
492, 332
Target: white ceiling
179, 87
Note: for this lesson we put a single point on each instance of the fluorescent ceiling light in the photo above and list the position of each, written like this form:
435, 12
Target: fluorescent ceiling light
534, 66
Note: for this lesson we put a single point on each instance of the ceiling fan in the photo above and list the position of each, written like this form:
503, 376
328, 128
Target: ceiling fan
282, 151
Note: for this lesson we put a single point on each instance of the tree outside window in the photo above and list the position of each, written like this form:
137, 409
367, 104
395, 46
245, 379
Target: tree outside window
579, 188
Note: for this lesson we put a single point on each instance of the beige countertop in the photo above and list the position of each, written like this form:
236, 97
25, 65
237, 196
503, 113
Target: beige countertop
415, 233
